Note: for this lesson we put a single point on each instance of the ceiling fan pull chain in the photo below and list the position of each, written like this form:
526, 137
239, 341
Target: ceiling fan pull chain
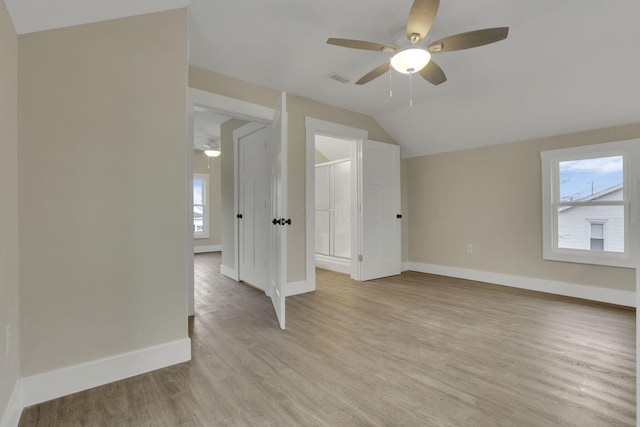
410, 89
390, 89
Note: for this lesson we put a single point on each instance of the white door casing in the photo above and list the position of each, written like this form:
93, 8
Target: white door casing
252, 215
380, 250
277, 149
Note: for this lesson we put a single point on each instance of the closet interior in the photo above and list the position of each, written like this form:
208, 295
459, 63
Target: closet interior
334, 203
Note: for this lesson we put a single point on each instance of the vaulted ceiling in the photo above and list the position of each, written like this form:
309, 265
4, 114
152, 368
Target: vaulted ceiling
566, 66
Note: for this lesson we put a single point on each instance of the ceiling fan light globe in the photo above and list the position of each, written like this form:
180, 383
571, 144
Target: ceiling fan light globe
410, 60
212, 153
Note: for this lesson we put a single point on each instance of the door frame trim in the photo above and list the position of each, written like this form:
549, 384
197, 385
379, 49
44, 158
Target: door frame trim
321, 127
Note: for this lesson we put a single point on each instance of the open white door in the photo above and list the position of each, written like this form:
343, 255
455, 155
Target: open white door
277, 148
379, 218
253, 218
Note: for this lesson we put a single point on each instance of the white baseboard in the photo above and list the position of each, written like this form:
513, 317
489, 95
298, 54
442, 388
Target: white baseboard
339, 265
208, 248
11, 417
51, 385
593, 293
406, 266
231, 273
296, 288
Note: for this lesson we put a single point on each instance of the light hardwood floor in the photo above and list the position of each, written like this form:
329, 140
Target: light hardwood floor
412, 350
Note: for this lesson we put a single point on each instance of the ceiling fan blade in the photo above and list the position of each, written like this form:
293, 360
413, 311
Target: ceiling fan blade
433, 73
421, 17
376, 72
360, 44
468, 40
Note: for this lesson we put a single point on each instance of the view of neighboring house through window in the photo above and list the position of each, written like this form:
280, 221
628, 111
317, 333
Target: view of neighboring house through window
586, 203
591, 205
200, 206
596, 243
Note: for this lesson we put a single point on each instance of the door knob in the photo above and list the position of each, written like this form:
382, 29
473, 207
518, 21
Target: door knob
239, 216
275, 221
399, 216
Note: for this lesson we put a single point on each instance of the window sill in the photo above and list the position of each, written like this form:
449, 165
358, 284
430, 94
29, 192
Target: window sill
584, 257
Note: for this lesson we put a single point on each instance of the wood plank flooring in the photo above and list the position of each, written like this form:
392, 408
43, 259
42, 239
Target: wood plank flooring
412, 350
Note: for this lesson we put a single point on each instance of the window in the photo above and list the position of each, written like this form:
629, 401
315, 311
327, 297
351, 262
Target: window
596, 243
200, 206
586, 204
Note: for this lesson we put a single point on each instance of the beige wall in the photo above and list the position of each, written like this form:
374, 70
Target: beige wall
298, 108
9, 265
491, 197
210, 166
233, 88
102, 189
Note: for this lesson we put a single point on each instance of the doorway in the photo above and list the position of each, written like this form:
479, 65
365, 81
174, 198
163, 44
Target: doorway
275, 121
242, 112
334, 203
376, 249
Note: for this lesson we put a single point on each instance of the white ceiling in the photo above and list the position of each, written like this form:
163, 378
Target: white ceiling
29, 16
206, 127
567, 65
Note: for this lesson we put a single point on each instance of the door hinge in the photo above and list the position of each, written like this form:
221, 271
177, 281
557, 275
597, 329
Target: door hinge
360, 258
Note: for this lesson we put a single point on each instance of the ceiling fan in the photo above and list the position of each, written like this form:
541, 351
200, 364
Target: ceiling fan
415, 58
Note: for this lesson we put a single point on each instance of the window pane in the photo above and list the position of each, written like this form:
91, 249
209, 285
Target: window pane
198, 219
197, 191
598, 179
576, 227
597, 245
597, 231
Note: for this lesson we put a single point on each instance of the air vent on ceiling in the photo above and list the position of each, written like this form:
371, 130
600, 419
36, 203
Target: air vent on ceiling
337, 77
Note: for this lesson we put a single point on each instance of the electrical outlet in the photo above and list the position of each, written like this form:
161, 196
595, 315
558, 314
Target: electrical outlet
7, 338
469, 248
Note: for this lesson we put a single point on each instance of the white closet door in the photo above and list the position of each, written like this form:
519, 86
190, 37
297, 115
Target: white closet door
322, 210
341, 209
380, 232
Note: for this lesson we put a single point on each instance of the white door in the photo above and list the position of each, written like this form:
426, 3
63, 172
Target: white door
323, 210
277, 147
252, 215
380, 224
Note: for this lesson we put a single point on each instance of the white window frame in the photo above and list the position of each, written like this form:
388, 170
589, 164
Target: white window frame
204, 234
551, 202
